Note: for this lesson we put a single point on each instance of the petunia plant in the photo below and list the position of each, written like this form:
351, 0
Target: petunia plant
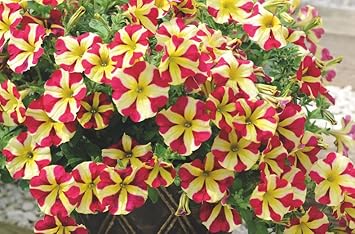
104, 103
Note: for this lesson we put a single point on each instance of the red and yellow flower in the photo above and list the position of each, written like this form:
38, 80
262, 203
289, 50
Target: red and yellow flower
163, 7
308, 19
123, 190
95, 111
52, 3
272, 198
346, 211
62, 95
309, 78
225, 11
255, 120
272, 159
334, 176
98, 63
313, 221
44, 130
10, 17
86, 176
185, 125
175, 27
58, 225
305, 155
184, 8
12, 109
25, 48
345, 137
144, 12
235, 153
129, 45
219, 217
71, 50
265, 28
205, 181
213, 43
127, 152
291, 126
222, 108
138, 91
297, 179
55, 191
180, 60
235, 73
160, 173
24, 158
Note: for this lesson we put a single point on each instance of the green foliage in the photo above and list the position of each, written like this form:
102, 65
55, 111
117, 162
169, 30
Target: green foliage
153, 195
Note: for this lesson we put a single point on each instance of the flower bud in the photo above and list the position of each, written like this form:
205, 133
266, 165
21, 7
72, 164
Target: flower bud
183, 209
75, 18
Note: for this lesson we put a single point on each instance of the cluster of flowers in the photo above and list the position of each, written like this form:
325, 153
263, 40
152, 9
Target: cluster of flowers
228, 101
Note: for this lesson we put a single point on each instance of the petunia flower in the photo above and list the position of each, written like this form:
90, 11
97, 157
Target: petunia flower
309, 79
313, 221
175, 27
123, 190
163, 7
144, 12
334, 176
308, 19
345, 137
52, 3
24, 48
129, 45
205, 181
55, 191
10, 18
255, 120
62, 95
222, 108
235, 73
52, 24
235, 153
98, 63
24, 158
44, 130
127, 152
265, 28
71, 50
185, 125
184, 8
138, 91
213, 43
305, 155
291, 126
12, 109
95, 111
272, 198
272, 158
86, 176
297, 180
180, 60
12, 118
160, 173
226, 11
346, 211
58, 225
219, 217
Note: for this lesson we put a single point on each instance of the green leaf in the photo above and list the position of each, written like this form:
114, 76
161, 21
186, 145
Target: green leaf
5, 176
24, 185
100, 28
153, 195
